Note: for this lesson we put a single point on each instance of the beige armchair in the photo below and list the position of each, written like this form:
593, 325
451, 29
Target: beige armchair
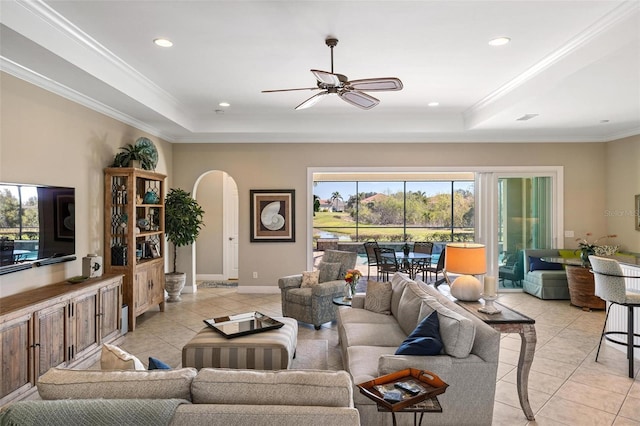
314, 305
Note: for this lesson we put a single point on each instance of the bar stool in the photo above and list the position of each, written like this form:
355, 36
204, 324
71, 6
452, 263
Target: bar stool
610, 286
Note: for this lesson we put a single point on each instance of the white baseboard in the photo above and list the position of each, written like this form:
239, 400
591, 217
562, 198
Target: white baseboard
244, 289
190, 288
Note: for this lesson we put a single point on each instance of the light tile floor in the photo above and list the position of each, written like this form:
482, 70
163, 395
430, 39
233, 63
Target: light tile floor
566, 386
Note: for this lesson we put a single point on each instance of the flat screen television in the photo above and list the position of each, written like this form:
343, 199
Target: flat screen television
37, 226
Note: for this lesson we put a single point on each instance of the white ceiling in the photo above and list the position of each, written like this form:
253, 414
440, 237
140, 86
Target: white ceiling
575, 63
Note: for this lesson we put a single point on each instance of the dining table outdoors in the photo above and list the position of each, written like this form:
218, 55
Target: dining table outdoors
411, 262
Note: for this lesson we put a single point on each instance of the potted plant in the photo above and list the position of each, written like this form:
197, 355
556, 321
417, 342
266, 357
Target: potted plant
183, 218
132, 156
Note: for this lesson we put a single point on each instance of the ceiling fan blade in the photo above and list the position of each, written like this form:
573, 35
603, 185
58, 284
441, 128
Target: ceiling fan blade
359, 99
312, 100
376, 84
326, 77
289, 90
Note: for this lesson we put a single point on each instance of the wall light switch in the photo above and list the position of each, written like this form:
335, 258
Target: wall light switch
569, 234
255, 275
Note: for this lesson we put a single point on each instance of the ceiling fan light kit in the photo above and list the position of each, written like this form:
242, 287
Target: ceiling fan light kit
351, 92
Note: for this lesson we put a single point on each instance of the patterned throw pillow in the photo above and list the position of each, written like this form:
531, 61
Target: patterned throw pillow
328, 271
310, 278
378, 297
114, 358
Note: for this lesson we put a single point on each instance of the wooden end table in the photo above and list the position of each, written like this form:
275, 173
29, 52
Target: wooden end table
430, 405
510, 321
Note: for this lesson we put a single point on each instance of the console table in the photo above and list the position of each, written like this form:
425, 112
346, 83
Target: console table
510, 321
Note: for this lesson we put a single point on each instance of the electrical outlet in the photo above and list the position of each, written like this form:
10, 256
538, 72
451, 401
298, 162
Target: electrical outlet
255, 275
568, 234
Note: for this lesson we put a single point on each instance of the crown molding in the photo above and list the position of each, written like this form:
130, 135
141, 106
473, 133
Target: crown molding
30, 76
610, 20
113, 70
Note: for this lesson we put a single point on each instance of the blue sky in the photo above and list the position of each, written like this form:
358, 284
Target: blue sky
325, 189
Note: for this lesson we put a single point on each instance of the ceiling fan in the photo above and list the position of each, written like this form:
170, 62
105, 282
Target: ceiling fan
349, 91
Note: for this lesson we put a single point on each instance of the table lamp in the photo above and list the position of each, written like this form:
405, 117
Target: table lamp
467, 259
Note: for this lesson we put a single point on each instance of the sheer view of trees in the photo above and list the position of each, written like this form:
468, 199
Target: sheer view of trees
10, 214
421, 210
404, 211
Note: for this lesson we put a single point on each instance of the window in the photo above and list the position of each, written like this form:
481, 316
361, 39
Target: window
394, 210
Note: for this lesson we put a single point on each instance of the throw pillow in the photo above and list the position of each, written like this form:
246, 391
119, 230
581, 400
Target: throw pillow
569, 254
537, 264
409, 307
114, 358
310, 278
378, 297
425, 339
156, 364
328, 271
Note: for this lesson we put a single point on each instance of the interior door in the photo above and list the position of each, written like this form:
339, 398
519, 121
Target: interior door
231, 227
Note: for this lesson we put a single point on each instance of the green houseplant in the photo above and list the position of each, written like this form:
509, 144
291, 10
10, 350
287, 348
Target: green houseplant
131, 153
183, 218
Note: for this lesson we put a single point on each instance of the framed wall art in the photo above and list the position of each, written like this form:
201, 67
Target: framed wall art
64, 216
272, 215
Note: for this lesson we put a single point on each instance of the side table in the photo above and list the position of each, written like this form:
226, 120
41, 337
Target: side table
582, 288
510, 321
341, 301
431, 405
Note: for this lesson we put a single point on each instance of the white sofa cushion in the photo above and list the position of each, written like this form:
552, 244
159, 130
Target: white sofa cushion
409, 307
457, 331
61, 383
283, 387
398, 282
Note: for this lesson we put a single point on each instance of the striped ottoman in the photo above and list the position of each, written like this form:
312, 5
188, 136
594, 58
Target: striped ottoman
269, 350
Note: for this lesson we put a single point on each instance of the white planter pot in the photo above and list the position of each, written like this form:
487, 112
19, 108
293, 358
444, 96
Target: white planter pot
174, 283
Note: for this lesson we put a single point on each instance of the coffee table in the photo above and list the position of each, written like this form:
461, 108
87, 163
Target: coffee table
269, 350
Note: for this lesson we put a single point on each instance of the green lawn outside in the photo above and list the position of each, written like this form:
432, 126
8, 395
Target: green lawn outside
333, 221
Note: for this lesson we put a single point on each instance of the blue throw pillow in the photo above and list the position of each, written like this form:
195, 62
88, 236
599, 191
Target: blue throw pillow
156, 364
425, 339
537, 264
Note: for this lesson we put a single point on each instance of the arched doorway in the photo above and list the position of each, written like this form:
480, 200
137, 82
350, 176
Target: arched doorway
215, 254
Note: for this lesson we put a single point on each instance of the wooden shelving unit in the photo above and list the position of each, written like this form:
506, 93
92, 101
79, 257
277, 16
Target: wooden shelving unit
134, 236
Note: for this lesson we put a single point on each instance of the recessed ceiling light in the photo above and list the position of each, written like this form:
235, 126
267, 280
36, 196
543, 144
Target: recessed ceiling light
499, 41
433, 104
163, 42
604, 121
224, 104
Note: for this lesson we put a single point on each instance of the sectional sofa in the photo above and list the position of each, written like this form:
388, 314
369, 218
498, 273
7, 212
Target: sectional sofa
188, 397
468, 362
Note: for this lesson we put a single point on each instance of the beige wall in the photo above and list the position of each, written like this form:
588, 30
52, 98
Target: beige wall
623, 184
74, 144
209, 244
284, 166
46, 139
